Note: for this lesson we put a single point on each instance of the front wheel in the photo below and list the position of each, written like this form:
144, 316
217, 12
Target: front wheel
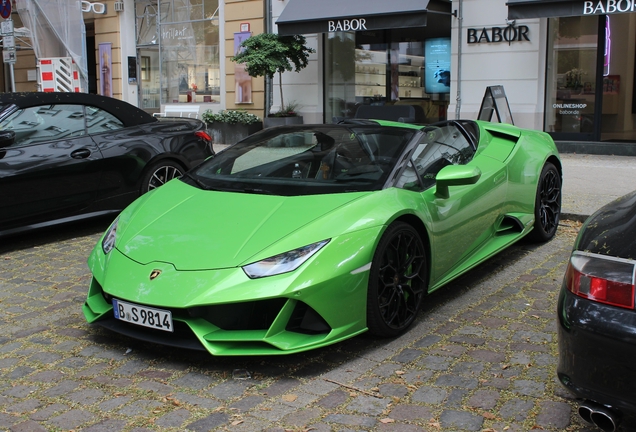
397, 281
547, 207
160, 173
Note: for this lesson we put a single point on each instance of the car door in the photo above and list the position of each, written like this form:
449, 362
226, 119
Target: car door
460, 223
51, 169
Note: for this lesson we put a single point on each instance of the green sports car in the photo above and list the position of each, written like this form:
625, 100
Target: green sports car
299, 237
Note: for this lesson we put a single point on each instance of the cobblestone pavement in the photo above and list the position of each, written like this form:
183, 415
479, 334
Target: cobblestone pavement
481, 357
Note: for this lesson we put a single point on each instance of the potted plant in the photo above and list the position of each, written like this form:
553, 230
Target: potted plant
267, 54
231, 126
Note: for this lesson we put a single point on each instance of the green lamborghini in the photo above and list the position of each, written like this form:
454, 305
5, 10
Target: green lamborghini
300, 237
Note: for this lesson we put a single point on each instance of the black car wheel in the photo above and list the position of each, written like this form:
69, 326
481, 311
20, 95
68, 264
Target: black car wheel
547, 207
397, 281
160, 173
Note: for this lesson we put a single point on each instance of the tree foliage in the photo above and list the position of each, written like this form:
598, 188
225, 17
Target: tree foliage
267, 54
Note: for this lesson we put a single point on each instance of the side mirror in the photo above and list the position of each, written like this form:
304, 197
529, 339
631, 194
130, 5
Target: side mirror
7, 138
455, 175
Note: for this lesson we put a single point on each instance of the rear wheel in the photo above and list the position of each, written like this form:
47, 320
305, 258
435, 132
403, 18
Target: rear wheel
397, 281
160, 173
547, 207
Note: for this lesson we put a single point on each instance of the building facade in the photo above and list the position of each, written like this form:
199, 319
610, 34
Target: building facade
567, 66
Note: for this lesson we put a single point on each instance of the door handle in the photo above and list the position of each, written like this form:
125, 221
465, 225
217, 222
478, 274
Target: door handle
81, 154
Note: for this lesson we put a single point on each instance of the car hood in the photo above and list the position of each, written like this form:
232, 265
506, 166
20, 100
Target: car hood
194, 229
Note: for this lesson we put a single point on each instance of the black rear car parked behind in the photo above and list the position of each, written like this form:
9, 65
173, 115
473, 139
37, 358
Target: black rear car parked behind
597, 320
69, 156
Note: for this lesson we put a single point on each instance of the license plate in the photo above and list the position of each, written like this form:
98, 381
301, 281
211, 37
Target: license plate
142, 315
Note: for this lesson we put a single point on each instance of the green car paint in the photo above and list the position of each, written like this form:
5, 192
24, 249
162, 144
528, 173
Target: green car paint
199, 241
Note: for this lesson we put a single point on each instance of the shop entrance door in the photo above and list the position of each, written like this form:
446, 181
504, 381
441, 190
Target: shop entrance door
149, 83
572, 98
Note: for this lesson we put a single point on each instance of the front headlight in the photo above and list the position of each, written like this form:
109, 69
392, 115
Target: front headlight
283, 263
108, 243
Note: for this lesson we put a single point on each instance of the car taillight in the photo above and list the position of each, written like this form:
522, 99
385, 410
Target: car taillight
203, 135
601, 278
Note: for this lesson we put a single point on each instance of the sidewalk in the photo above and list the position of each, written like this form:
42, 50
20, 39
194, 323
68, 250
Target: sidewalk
591, 181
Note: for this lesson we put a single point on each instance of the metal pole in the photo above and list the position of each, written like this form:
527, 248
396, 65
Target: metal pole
12, 77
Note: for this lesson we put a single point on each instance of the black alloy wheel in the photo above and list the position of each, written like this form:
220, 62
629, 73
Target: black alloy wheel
397, 281
547, 207
159, 174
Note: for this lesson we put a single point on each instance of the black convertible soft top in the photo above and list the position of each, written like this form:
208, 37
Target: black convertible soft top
129, 114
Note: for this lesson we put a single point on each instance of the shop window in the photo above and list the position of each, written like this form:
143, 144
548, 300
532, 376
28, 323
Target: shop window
190, 64
387, 68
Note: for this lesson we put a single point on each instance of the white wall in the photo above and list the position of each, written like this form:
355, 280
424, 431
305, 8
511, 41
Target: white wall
518, 66
305, 87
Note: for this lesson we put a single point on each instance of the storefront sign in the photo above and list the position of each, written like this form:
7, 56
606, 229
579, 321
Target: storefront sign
508, 34
356, 24
603, 7
98, 8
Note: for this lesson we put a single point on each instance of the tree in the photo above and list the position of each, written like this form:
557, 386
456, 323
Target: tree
267, 53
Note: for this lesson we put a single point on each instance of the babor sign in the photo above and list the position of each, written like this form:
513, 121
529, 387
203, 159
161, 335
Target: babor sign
602, 7
355, 24
509, 34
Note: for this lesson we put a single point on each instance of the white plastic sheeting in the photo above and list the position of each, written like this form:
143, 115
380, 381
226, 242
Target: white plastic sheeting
57, 30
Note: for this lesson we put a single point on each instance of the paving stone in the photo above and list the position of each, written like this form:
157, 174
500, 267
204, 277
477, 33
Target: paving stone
210, 422
173, 419
196, 401
19, 372
27, 426
273, 412
462, 420
368, 405
528, 388
407, 355
303, 417
487, 356
48, 411
112, 404
20, 391
396, 390
62, 388
110, 425
456, 381
72, 419
516, 409
247, 403
350, 420
86, 396
229, 389
333, 399
411, 412
24, 407
280, 387
554, 415
399, 427
429, 395
484, 399
194, 381
139, 408
162, 389
435, 363
427, 341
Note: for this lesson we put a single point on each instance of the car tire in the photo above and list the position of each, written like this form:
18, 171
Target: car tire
160, 173
397, 281
547, 206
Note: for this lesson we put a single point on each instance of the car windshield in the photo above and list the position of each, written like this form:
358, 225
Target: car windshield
307, 160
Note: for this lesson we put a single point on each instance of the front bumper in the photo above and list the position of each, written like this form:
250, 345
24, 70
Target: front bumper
597, 348
226, 313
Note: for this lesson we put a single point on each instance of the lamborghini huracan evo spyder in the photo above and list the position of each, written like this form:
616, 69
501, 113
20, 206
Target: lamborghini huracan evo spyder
299, 237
